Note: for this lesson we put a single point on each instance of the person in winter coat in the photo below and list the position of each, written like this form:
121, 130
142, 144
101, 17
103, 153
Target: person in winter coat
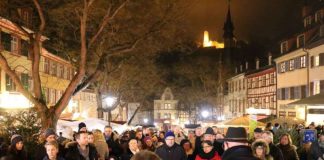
170, 150
132, 149
48, 135
261, 150
100, 144
275, 152
52, 151
81, 149
287, 148
208, 153
16, 149
112, 142
145, 155
187, 146
236, 145
317, 148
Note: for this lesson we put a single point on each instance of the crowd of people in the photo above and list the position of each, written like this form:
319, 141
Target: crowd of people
149, 144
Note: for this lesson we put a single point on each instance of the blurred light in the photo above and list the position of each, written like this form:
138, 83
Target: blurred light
110, 101
14, 101
205, 114
145, 120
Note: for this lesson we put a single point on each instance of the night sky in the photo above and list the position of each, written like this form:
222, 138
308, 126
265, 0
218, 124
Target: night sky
256, 20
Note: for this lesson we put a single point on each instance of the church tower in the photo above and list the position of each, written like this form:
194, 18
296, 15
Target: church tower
228, 30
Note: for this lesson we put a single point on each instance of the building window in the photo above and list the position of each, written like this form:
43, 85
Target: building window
291, 114
318, 16
284, 47
167, 106
317, 88
10, 86
46, 65
256, 82
60, 70
300, 41
14, 45
263, 81
307, 21
272, 79
317, 61
291, 64
282, 67
302, 61
53, 68
25, 80
6, 41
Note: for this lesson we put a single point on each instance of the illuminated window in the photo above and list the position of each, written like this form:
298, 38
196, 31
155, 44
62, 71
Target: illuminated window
167, 106
283, 67
25, 80
307, 21
303, 61
263, 81
291, 65
317, 61
317, 88
272, 79
10, 86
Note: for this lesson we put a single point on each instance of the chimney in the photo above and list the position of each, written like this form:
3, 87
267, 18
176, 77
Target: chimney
241, 68
246, 65
269, 59
257, 63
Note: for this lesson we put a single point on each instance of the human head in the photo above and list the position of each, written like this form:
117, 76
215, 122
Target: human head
161, 134
257, 133
139, 134
235, 136
260, 148
82, 127
132, 144
51, 149
285, 139
145, 155
169, 138
207, 146
98, 136
148, 141
191, 134
209, 134
321, 137
90, 137
215, 129
17, 142
267, 136
198, 131
186, 144
82, 138
108, 131
50, 135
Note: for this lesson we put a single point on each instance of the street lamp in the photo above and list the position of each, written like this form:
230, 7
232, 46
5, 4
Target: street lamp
205, 114
145, 120
109, 104
110, 101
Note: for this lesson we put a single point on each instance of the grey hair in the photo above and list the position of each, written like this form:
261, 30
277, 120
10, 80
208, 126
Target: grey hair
269, 135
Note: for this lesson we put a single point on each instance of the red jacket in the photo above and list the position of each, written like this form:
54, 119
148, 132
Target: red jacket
216, 157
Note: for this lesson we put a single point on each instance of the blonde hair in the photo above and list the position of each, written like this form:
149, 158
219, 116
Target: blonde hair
52, 143
98, 136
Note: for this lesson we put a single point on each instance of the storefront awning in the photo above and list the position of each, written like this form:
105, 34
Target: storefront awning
315, 100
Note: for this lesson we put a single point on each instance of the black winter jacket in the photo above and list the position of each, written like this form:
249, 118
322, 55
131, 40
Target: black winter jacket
175, 152
238, 153
289, 152
74, 154
275, 152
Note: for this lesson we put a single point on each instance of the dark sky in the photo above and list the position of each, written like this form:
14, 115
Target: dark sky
253, 19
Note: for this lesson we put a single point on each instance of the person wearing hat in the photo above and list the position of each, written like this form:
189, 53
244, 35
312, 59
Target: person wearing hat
16, 149
257, 134
261, 150
49, 135
82, 127
171, 150
236, 145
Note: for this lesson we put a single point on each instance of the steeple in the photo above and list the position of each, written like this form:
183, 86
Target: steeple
228, 29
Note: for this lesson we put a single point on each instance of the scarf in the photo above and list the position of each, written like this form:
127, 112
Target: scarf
209, 155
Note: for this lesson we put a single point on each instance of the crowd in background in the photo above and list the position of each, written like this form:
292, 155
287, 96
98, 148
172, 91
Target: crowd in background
148, 143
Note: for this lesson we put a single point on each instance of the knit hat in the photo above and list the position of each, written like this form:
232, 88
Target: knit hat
49, 132
82, 125
258, 130
169, 133
209, 130
15, 139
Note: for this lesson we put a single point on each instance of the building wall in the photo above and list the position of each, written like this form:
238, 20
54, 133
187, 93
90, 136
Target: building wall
236, 96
